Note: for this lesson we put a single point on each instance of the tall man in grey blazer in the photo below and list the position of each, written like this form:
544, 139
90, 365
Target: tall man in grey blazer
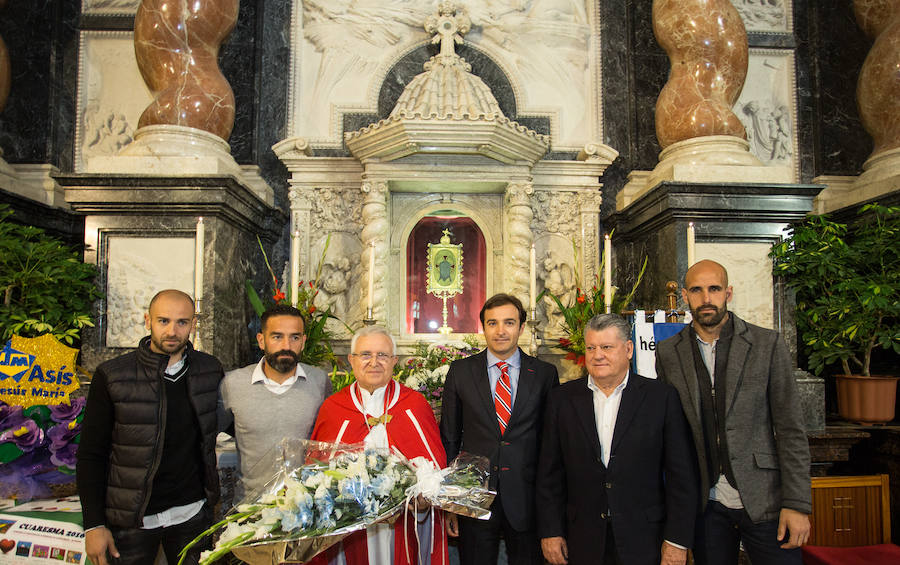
738, 393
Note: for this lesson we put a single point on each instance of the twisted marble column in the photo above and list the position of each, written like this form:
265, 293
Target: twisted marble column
177, 44
878, 89
519, 214
376, 229
707, 47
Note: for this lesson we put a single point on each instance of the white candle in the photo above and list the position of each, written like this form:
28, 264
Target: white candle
607, 273
199, 242
371, 301
690, 244
531, 275
295, 268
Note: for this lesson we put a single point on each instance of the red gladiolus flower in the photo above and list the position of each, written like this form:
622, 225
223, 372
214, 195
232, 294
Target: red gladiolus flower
565, 342
278, 296
580, 299
312, 309
310, 284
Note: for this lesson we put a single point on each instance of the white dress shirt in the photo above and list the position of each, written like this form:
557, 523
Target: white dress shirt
606, 410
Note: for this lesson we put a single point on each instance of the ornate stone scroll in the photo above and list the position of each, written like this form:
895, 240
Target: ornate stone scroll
707, 47
177, 44
519, 238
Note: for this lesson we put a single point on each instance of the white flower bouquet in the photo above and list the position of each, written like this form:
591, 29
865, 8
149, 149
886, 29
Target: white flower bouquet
321, 493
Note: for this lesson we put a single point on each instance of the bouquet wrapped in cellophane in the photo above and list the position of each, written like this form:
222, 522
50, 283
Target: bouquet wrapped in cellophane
322, 492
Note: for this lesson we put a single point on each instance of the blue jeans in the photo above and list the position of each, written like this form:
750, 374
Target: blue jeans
721, 530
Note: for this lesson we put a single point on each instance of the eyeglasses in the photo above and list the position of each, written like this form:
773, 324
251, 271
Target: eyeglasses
367, 356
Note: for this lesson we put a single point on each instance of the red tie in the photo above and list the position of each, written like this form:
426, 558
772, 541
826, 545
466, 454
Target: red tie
503, 396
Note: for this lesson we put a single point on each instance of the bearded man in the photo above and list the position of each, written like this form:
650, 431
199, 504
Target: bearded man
276, 398
737, 389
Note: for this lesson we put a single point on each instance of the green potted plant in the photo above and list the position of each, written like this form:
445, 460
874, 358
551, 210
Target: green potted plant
45, 287
847, 278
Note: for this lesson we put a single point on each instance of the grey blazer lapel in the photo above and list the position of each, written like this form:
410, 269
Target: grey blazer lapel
689, 373
737, 358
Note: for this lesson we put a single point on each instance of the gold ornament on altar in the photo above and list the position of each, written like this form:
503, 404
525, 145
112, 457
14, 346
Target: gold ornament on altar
444, 273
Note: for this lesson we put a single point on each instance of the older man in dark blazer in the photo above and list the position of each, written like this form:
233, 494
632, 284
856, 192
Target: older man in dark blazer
737, 388
493, 405
617, 479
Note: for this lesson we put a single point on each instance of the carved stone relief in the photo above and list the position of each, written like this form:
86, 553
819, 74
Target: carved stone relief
556, 212
97, 7
765, 15
342, 51
767, 108
556, 274
136, 269
111, 95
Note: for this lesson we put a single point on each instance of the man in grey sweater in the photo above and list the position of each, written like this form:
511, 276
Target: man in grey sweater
276, 398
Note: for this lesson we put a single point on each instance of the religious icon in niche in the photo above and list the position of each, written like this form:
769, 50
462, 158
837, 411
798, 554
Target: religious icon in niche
444, 273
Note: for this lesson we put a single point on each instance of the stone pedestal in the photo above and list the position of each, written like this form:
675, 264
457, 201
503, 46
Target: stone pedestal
812, 399
140, 232
735, 224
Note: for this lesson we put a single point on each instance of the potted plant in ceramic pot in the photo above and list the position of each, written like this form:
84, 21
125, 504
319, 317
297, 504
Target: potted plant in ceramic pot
847, 283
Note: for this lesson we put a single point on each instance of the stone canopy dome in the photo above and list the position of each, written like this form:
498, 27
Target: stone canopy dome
447, 110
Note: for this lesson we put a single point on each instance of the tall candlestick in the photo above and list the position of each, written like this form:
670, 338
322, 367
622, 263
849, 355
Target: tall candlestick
199, 243
295, 268
607, 273
690, 244
531, 276
371, 300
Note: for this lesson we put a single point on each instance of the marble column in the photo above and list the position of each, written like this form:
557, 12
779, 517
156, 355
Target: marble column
376, 230
878, 96
519, 238
185, 128
702, 138
301, 215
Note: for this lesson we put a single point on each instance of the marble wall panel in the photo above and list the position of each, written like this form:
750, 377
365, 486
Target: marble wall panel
36, 125
136, 269
767, 107
111, 95
750, 273
238, 62
839, 48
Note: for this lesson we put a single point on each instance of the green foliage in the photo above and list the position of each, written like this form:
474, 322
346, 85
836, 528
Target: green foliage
846, 279
45, 286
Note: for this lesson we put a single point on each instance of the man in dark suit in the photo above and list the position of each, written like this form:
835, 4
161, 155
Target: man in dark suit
737, 388
493, 405
617, 479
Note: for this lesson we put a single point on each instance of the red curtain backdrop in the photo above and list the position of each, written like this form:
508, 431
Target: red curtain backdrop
463, 308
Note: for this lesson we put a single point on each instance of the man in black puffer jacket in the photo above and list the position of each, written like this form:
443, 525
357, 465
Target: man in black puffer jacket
146, 464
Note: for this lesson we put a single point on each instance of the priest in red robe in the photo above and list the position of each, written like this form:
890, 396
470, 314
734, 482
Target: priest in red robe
381, 412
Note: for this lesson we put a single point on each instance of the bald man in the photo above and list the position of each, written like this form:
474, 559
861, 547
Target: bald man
146, 468
737, 389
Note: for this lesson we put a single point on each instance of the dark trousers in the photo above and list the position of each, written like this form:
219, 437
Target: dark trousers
479, 540
720, 531
139, 547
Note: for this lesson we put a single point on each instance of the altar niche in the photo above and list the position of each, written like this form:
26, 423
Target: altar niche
423, 310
